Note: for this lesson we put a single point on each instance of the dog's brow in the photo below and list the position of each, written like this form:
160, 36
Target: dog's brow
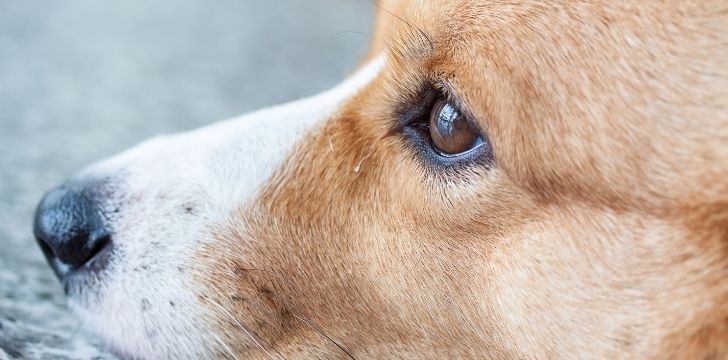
412, 43
414, 29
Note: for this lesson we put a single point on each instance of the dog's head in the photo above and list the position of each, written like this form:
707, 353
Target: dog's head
499, 179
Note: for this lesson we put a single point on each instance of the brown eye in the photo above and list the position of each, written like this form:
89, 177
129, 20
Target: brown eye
451, 133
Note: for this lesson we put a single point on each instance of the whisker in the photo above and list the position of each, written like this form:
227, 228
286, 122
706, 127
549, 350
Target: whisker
249, 269
347, 32
315, 328
299, 318
416, 28
224, 345
242, 327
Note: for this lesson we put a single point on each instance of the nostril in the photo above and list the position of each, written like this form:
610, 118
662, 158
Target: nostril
69, 228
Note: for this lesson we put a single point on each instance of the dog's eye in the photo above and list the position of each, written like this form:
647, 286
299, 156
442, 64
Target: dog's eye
451, 133
442, 134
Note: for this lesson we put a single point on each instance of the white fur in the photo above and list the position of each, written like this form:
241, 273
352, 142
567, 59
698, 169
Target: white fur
163, 196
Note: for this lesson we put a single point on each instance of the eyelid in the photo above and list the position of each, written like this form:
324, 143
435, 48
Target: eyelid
420, 108
417, 106
413, 115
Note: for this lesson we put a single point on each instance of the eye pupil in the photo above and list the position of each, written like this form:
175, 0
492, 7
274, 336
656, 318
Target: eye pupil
451, 133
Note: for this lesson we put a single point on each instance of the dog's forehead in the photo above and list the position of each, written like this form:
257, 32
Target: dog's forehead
532, 67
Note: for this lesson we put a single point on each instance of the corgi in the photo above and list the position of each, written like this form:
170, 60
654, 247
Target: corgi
497, 179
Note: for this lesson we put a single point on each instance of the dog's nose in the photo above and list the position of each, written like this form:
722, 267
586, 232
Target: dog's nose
69, 227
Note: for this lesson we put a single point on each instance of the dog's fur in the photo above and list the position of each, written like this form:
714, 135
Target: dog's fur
600, 231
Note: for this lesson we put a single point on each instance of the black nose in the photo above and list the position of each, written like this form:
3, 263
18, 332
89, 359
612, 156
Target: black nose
69, 227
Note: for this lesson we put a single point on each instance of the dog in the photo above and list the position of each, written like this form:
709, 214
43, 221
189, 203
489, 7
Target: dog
495, 180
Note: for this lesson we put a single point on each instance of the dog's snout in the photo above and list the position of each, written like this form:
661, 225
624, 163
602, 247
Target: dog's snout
69, 227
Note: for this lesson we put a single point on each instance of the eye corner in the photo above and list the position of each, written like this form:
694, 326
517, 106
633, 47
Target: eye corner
416, 107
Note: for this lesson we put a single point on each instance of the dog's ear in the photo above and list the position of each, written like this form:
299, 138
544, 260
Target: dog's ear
387, 15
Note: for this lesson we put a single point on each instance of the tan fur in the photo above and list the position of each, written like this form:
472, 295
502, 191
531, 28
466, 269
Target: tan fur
601, 232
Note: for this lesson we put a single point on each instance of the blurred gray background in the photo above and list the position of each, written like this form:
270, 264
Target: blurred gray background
83, 79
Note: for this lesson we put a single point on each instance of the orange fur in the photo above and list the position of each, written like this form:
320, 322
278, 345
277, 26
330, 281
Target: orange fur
601, 232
